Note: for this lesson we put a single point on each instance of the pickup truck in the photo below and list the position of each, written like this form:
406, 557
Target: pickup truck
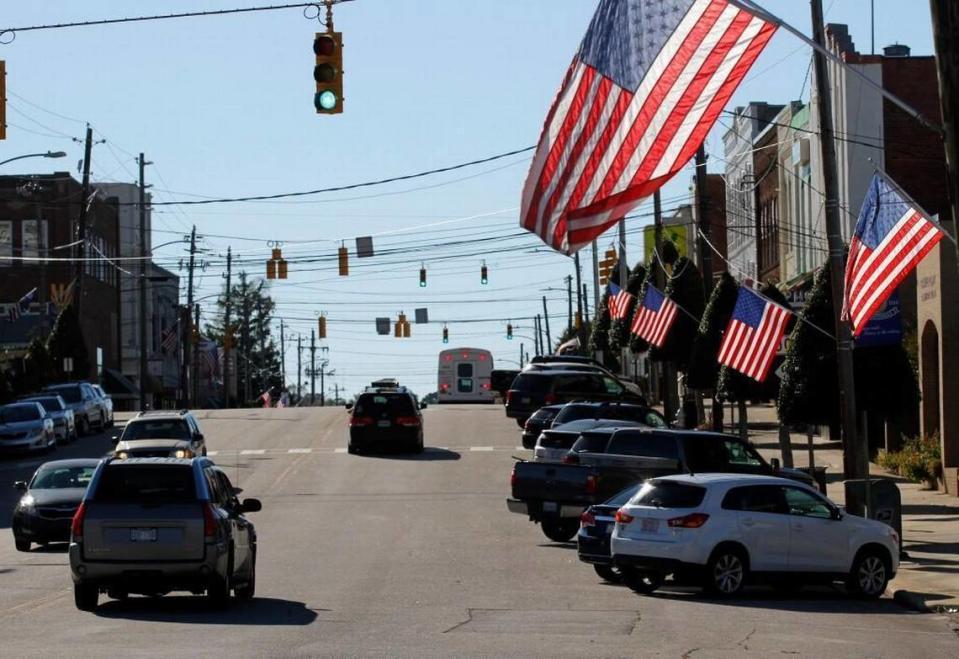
555, 494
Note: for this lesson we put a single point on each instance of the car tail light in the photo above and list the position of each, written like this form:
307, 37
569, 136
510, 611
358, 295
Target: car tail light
76, 526
571, 458
692, 521
509, 396
512, 478
408, 421
623, 517
550, 399
587, 519
361, 421
209, 521
485, 385
590, 484
445, 386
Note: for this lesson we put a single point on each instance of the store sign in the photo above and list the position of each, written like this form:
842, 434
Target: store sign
885, 327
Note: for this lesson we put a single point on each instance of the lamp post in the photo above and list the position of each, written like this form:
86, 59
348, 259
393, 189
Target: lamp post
48, 154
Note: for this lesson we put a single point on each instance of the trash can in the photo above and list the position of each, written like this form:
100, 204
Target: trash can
818, 474
886, 501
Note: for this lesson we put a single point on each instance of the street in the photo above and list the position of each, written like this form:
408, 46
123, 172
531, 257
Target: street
416, 556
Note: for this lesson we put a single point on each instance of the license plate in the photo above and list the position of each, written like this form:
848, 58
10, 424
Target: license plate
549, 506
143, 535
525, 400
383, 424
650, 525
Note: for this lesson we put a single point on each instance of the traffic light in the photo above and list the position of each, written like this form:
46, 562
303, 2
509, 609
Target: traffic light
579, 319
509, 331
446, 335
402, 328
328, 72
343, 255
606, 266
321, 329
276, 267
484, 279
423, 277
271, 269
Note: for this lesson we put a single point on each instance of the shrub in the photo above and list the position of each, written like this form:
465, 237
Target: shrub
919, 460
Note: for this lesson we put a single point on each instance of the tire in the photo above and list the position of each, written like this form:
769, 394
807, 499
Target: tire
869, 575
559, 530
83, 426
248, 590
521, 423
418, 448
218, 591
643, 582
352, 450
726, 572
22, 544
86, 596
608, 573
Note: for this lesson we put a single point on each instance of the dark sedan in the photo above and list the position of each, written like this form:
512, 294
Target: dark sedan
539, 421
595, 529
49, 501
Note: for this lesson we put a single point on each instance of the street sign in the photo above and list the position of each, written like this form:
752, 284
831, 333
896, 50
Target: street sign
383, 326
422, 316
364, 247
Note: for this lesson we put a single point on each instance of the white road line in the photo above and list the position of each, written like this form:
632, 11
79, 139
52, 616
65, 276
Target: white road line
253, 451
339, 450
209, 453
481, 448
300, 450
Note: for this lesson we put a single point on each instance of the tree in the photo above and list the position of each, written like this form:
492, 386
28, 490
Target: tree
685, 288
38, 367
619, 328
599, 336
66, 340
703, 362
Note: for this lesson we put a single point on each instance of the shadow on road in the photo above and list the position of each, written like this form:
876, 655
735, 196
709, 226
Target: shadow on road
558, 545
196, 610
429, 454
822, 599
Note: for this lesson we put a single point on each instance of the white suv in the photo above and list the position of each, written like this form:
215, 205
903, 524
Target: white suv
724, 530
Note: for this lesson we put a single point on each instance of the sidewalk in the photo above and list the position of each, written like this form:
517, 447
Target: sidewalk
928, 580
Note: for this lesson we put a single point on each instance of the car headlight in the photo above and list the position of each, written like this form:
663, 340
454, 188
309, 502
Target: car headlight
183, 453
123, 455
27, 504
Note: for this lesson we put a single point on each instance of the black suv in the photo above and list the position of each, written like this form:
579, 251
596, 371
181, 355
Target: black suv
534, 389
387, 418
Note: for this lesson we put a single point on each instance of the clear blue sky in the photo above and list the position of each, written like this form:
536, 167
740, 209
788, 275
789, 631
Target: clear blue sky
223, 106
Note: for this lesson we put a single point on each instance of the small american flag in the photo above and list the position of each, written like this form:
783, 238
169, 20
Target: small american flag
169, 338
22, 305
619, 299
648, 82
654, 317
892, 236
753, 335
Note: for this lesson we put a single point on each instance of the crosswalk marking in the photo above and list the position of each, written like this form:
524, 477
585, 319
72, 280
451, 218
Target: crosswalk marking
253, 451
481, 448
300, 450
211, 453
339, 450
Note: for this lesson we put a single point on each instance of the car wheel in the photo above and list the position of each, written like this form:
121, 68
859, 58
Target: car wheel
218, 592
247, 590
643, 582
21, 543
560, 530
608, 573
725, 572
352, 450
869, 575
86, 596
83, 426
419, 447
521, 423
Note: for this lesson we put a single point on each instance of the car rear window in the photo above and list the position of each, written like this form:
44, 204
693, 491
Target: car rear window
544, 414
156, 429
623, 497
669, 494
19, 413
558, 439
536, 384
146, 483
384, 405
70, 394
575, 412
581, 383
646, 445
591, 443
50, 404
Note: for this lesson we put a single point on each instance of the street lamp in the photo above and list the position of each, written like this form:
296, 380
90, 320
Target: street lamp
48, 154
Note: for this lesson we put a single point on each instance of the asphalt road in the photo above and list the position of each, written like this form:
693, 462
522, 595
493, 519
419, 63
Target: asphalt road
416, 556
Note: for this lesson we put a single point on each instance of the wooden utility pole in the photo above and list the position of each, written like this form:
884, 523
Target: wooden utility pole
549, 340
188, 326
659, 278
82, 223
282, 359
227, 330
196, 353
702, 210
299, 368
141, 204
856, 455
312, 366
945, 32
569, 297
579, 287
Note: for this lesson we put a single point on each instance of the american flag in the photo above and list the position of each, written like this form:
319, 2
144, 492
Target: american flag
642, 92
654, 317
619, 299
169, 338
892, 236
753, 335
22, 305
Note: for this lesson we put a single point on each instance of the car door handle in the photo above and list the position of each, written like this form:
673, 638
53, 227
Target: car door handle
748, 522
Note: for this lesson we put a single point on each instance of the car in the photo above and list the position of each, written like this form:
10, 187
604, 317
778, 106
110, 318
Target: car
537, 422
49, 501
727, 530
179, 429
385, 418
64, 424
563, 359
606, 410
26, 427
534, 389
106, 405
85, 403
156, 525
554, 443
596, 528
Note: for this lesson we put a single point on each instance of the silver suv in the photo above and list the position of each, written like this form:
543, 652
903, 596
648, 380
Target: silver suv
155, 525
84, 401
161, 433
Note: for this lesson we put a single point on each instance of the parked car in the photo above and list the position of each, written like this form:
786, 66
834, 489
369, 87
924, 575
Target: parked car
727, 530
106, 405
556, 494
537, 422
385, 418
155, 525
26, 427
563, 359
85, 403
554, 443
64, 425
596, 529
643, 414
534, 389
180, 429
49, 501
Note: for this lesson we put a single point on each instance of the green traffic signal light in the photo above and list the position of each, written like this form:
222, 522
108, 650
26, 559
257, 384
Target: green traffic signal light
422, 277
325, 100
483, 275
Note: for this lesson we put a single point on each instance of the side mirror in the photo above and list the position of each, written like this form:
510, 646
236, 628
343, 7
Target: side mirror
349, 406
774, 463
251, 506
20, 485
198, 437
836, 514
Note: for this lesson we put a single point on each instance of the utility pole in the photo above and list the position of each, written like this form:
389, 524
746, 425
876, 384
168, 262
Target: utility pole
623, 267
336, 395
141, 203
569, 298
549, 339
246, 310
323, 383
188, 326
521, 356
585, 305
945, 32
299, 367
579, 286
536, 334
702, 210
595, 275
659, 277
855, 455
227, 330
312, 366
282, 359
82, 222
196, 349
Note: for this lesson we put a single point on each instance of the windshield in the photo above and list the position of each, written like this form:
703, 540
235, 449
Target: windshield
70, 394
146, 482
19, 413
49, 404
156, 429
58, 478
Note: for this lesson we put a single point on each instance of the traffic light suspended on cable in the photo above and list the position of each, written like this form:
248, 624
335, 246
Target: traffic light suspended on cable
328, 72
276, 267
321, 327
484, 274
343, 257
606, 266
446, 334
423, 277
509, 331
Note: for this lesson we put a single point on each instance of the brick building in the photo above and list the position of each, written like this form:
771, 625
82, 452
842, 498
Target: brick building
715, 219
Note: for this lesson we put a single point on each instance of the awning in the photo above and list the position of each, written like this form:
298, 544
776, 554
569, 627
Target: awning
118, 385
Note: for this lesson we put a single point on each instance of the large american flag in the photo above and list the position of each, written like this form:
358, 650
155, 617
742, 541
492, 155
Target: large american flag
753, 335
619, 299
654, 317
892, 236
640, 96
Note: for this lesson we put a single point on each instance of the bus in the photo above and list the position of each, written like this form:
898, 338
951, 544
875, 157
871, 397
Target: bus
464, 376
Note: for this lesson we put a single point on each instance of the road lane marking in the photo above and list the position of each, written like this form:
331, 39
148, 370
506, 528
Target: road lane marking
253, 451
300, 450
209, 453
339, 450
481, 448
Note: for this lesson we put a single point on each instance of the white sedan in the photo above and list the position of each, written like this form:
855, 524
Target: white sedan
725, 530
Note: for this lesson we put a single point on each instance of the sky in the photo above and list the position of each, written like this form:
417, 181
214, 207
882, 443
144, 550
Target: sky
223, 107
